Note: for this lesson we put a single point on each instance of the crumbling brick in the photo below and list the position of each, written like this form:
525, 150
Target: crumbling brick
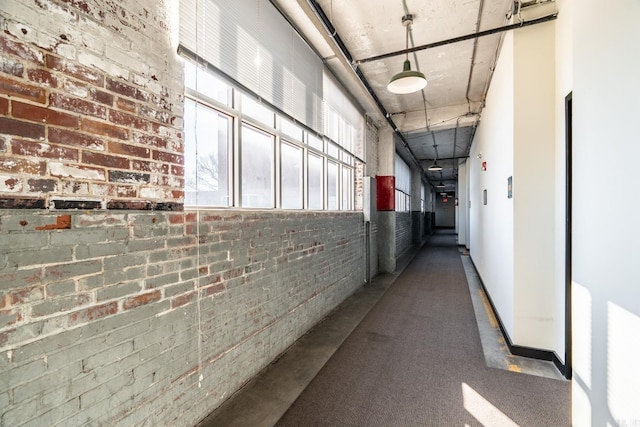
63, 222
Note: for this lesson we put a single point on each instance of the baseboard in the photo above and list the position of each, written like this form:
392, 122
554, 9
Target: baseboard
562, 367
518, 350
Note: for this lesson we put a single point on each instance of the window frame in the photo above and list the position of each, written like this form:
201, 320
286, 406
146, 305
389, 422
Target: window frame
310, 143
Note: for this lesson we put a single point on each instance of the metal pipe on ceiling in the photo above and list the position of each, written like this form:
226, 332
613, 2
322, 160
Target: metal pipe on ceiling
458, 39
450, 158
473, 55
534, 3
455, 137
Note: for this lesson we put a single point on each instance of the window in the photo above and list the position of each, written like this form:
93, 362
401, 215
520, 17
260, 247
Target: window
290, 176
315, 142
332, 186
315, 179
333, 124
266, 123
403, 185
256, 163
257, 111
207, 141
347, 188
333, 150
206, 84
240, 152
291, 129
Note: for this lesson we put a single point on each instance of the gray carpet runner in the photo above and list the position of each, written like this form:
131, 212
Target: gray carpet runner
416, 360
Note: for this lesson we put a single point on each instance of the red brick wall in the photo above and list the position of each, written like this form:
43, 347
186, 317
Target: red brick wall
85, 121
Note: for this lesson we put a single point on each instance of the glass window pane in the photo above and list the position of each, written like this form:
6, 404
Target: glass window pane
291, 176
332, 186
347, 158
315, 142
315, 181
257, 111
347, 188
333, 124
203, 81
257, 165
207, 136
291, 129
347, 136
403, 175
333, 150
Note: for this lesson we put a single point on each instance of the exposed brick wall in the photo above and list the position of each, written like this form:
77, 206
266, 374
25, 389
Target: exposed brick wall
119, 317
90, 106
371, 135
111, 312
100, 312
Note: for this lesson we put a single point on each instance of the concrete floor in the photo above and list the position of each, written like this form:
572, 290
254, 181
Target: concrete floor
496, 352
264, 400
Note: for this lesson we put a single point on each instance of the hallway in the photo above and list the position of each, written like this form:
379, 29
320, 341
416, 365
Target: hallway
416, 359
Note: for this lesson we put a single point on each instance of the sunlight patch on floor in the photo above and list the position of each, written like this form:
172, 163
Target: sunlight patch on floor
484, 411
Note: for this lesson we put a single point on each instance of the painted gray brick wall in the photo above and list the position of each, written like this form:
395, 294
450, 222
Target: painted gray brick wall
113, 317
127, 318
404, 235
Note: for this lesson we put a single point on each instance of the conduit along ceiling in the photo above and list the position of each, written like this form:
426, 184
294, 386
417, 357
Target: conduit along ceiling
455, 43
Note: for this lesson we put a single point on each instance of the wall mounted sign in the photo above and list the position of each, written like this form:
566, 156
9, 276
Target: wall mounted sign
484, 197
484, 166
510, 187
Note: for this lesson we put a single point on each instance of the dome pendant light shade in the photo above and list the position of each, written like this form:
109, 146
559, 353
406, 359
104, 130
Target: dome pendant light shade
407, 81
435, 167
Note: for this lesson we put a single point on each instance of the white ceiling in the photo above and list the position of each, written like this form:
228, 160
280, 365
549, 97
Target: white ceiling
446, 112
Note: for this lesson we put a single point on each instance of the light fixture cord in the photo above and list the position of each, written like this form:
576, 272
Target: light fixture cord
406, 43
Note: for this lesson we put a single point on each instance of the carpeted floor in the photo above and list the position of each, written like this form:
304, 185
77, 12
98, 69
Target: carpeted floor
416, 360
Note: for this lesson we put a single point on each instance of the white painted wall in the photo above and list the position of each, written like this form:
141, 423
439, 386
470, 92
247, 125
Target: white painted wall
513, 240
595, 58
491, 225
534, 176
564, 86
463, 205
606, 284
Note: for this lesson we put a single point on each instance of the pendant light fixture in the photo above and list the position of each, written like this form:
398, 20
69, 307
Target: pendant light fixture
435, 167
407, 81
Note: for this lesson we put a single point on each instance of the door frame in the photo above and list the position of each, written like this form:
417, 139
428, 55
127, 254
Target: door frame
568, 108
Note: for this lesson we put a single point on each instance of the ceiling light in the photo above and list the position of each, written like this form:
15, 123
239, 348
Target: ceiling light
407, 81
441, 185
435, 167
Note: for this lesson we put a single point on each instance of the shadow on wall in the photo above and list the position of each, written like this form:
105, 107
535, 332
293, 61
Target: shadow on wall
613, 377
